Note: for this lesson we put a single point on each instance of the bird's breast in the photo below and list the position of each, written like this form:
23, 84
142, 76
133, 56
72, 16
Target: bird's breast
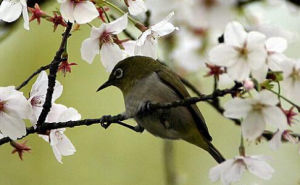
162, 123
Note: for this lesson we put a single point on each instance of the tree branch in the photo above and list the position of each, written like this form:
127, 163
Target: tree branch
52, 75
41, 128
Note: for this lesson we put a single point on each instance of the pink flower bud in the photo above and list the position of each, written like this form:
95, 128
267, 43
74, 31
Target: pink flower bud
248, 84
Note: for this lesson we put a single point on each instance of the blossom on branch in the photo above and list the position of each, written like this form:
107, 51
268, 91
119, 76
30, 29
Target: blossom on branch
38, 94
13, 109
146, 45
60, 143
232, 170
79, 11
275, 46
102, 40
241, 52
256, 112
11, 10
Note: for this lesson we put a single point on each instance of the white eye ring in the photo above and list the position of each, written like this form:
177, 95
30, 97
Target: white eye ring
118, 73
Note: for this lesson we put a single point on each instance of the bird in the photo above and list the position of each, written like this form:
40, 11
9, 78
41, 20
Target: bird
144, 80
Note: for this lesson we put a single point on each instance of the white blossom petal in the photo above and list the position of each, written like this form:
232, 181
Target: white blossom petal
261, 73
234, 173
25, 14
259, 167
275, 116
118, 25
18, 106
164, 27
97, 32
57, 154
223, 55
89, 49
237, 108
136, 7
216, 172
235, 34
10, 10
12, 127
65, 146
276, 44
149, 48
55, 112
275, 142
142, 39
85, 12
67, 11
268, 98
240, 71
110, 54
129, 47
253, 125
256, 41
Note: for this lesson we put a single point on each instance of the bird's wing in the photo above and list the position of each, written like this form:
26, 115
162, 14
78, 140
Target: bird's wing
172, 80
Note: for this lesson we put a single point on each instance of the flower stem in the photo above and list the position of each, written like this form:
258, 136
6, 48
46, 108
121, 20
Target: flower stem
287, 100
108, 20
242, 146
279, 91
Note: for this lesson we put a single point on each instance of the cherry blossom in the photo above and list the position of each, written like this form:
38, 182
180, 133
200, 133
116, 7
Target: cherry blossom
256, 112
102, 41
79, 11
136, 7
241, 53
275, 47
38, 94
60, 143
232, 169
146, 45
291, 82
276, 140
11, 10
13, 109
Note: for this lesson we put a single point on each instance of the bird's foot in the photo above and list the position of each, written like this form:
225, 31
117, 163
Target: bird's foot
138, 128
105, 121
145, 108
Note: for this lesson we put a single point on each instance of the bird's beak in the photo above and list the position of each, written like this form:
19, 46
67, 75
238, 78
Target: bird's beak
103, 86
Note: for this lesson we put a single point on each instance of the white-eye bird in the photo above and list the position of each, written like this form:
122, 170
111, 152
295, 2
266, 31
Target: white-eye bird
143, 80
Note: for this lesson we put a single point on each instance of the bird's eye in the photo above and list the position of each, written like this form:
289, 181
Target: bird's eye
118, 73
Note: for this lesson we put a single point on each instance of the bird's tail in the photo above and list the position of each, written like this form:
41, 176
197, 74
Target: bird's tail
208, 146
215, 153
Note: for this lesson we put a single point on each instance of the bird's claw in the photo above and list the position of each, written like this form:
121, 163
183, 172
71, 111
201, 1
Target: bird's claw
145, 107
105, 121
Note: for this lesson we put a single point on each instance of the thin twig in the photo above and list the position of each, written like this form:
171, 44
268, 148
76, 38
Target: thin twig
43, 68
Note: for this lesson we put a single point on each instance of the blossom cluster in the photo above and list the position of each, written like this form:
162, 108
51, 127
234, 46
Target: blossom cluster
252, 56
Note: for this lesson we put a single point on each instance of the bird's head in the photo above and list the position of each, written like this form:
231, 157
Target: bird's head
129, 71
